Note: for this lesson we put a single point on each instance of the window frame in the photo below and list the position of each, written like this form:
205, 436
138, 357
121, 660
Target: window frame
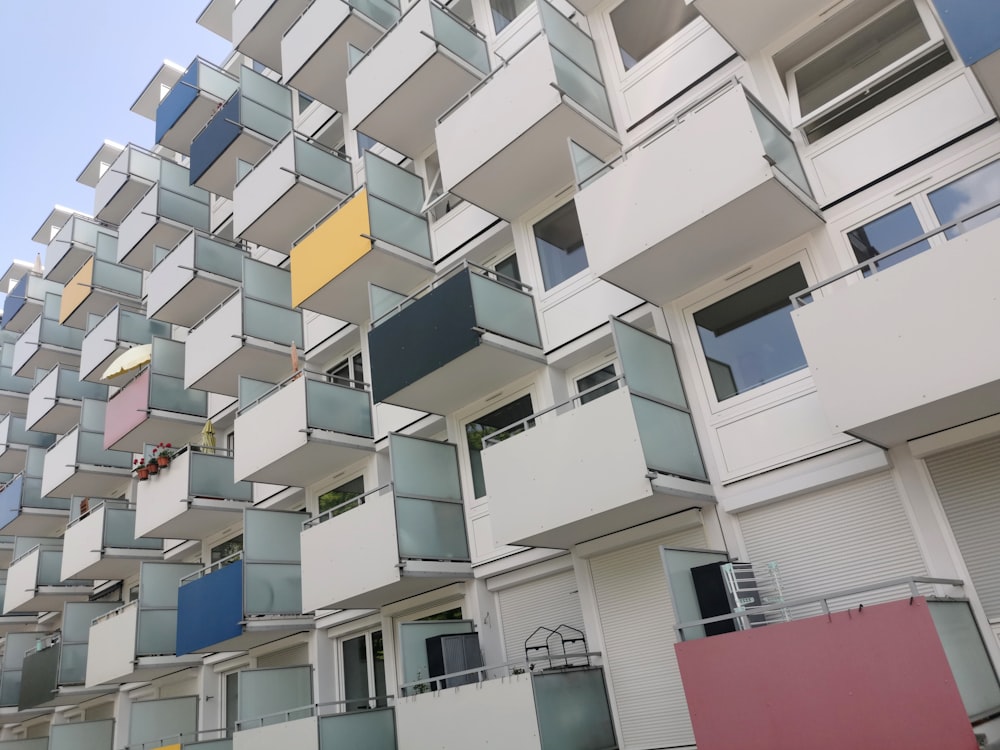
465, 460
550, 208
657, 56
352, 362
366, 633
347, 478
591, 366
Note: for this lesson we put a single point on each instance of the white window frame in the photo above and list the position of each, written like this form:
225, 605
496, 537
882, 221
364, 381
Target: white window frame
936, 38
366, 633
340, 482
575, 374
465, 457
658, 56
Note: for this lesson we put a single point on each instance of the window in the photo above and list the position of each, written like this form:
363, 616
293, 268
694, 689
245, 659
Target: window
505, 11
885, 233
364, 671
867, 66
640, 26
559, 240
365, 143
438, 203
232, 705
348, 370
967, 194
227, 548
477, 430
340, 495
748, 338
605, 374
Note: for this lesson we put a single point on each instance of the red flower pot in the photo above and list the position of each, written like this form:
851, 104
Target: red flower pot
142, 473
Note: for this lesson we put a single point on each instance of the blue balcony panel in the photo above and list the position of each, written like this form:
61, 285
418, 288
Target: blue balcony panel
191, 103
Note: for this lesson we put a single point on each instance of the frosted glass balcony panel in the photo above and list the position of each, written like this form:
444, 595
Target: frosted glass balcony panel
430, 530
505, 311
424, 468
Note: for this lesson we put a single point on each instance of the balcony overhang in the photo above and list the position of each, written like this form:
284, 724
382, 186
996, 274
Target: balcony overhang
126, 190
12, 457
259, 24
13, 715
143, 230
149, 668
193, 518
46, 598
99, 301
46, 356
217, 17
259, 631
166, 77
102, 159
13, 402
159, 426
60, 417
62, 267
83, 480
751, 30
72, 695
38, 522
17, 623
865, 340
220, 176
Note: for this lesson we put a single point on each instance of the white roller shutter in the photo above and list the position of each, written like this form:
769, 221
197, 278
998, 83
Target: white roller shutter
968, 482
840, 537
295, 656
637, 618
550, 601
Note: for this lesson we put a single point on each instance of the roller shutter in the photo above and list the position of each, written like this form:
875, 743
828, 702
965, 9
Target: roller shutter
550, 601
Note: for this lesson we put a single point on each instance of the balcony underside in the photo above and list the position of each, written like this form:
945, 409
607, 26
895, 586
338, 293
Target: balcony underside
63, 416
261, 41
44, 522
149, 668
115, 564
413, 578
52, 598
163, 233
220, 177
751, 28
11, 715
71, 695
189, 124
259, 631
123, 201
17, 623
292, 213
708, 248
66, 267
12, 458
47, 356
97, 302
201, 518
196, 299
987, 72
405, 119
264, 361
94, 375
24, 317
318, 455
160, 427
490, 366
13, 402
86, 481
345, 296
537, 162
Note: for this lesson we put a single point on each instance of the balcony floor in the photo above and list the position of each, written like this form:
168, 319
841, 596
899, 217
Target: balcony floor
52, 598
47, 356
62, 417
160, 427
261, 361
201, 518
122, 202
116, 564
415, 577
290, 215
71, 695
149, 668
198, 297
88, 481
12, 402
43, 522
189, 124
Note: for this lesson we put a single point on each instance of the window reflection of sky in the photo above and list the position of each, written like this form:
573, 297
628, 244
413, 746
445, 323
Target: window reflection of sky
885, 233
966, 194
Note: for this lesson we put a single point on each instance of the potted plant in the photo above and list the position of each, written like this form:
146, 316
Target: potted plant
139, 467
152, 466
165, 454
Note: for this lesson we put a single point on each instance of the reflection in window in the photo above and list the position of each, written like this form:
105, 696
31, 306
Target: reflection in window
560, 245
643, 25
364, 671
508, 268
885, 233
505, 11
748, 337
348, 370
339, 495
477, 430
965, 195
605, 374
227, 548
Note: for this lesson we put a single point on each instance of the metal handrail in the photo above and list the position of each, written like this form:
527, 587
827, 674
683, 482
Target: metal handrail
798, 299
911, 581
358, 500
97, 503
114, 612
309, 375
211, 568
330, 213
41, 547
312, 709
510, 665
162, 741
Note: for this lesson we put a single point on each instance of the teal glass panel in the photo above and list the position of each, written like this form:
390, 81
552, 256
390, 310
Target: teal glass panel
424, 468
359, 730
966, 653
56, 335
84, 735
218, 258
77, 617
168, 357
211, 475
263, 119
32, 496
157, 632
458, 38
573, 711
586, 166
268, 691
213, 81
779, 148
73, 664
384, 13
90, 450
119, 531
169, 394
267, 283
69, 385
34, 461
167, 718
182, 209
338, 408
158, 583
138, 329
570, 40
252, 390
272, 588
107, 246
117, 278
393, 183
262, 90
649, 364
177, 179
323, 166
397, 227
23, 544
505, 311
92, 415
431, 530
18, 434
272, 536
381, 300
668, 440
354, 56
50, 568
274, 323
51, 301
10, 688
582, 88
143, 164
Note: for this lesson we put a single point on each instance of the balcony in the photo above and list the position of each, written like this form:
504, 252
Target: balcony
55, 401
315, 426
247, 599
71, 247
166, 724
15, 440
99, 286
78, 464
294, 186
747, 167
162, 218
460, 339
93, 735
314, 50
873, 692
190, 104
425, 63
156, 407
751, 30
373, 729
379, 235
217, 17
113, 335
259, 24
135, 643
194, 497
974, 36
34, 580
864, 340
99, 163
25, 301
15, 623
246, 127
15, 647
542, 710
250, 334
46, 343
14, 391
124, 183
54, 675
101, 543
626, 457
484, 143
25, 511
400, 540
193, 279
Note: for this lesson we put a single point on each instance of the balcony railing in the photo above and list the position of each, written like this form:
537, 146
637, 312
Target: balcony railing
101, 542
71, 247
316, 426
111, 336
79, 464
45, 343
35, 582
16, 645
322, 726
13, 390
165, 722
121, 186
25, 301
470, 320
190, 103
55, 401
100, 285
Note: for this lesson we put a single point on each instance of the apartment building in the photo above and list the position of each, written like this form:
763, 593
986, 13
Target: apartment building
567, 376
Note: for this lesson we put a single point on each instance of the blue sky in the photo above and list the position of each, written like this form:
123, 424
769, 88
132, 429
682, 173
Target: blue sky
72, 69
